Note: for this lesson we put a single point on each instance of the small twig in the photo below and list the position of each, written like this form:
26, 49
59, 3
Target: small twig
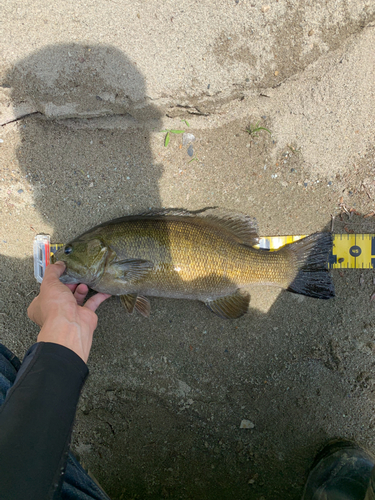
365, 190
354, 211
343, 207
332, 222
17, 118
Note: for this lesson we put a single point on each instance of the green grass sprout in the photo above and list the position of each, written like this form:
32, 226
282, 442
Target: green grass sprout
253, 130
168, 136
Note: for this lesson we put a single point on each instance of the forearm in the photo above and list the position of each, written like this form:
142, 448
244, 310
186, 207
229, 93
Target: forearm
66, 332
36, 422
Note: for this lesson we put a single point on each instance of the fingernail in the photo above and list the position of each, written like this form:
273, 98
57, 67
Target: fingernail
60, 262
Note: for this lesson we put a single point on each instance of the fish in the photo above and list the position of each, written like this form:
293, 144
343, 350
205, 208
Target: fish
205, 255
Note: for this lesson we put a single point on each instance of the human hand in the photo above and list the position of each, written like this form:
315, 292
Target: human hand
61, 314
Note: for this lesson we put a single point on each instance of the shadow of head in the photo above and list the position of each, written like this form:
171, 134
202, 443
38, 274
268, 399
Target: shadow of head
84, 146
75, 80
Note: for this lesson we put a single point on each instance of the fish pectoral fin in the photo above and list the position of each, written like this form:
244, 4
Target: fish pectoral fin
230, 306
133, 301
133, 269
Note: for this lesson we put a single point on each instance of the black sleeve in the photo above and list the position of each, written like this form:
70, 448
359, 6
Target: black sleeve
36, 422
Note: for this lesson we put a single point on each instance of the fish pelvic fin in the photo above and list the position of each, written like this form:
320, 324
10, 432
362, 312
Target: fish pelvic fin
313, 278
231, 306
128, 301
133, 301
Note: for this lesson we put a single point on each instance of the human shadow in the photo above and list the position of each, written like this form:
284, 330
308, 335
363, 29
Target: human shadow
76, 158
161, 413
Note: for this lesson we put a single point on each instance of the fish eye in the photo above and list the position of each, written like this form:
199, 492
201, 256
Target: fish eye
68, 249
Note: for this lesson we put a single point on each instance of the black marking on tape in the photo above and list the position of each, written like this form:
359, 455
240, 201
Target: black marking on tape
355, 251
332, 259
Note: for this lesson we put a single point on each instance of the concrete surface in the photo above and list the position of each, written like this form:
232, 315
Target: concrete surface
85, 91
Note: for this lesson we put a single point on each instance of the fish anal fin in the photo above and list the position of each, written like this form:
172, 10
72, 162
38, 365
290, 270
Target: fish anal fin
133, 301
143, 306
230, 306
132, 269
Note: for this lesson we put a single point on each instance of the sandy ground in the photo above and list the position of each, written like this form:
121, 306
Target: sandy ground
84, 95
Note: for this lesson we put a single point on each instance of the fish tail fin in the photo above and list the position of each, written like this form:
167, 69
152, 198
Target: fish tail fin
312, 278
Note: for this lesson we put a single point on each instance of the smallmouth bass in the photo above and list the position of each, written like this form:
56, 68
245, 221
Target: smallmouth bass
206, 255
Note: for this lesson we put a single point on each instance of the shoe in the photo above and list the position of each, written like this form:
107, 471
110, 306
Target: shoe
341, 471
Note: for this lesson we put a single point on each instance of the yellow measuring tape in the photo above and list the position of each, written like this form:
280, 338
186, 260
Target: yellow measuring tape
349, 251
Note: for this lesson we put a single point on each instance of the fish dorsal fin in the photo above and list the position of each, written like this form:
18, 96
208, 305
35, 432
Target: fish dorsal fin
133, 301
133, 269
241, 226
230, 306
163, 212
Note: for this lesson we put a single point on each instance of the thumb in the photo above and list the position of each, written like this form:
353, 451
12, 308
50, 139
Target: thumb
53, 272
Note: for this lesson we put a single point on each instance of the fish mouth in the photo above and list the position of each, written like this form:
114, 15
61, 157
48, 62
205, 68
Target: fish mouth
65, 278
68, 280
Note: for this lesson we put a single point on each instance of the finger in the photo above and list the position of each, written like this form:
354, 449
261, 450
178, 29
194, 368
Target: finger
94, 302
72, 287
53, 272
80, 293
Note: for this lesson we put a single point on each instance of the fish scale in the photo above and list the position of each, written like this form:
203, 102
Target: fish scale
192, 260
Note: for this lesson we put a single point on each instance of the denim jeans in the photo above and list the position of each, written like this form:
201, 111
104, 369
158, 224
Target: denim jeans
77, 484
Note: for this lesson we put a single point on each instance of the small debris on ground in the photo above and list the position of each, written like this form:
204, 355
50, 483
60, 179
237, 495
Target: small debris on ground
187, 138
247, 424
